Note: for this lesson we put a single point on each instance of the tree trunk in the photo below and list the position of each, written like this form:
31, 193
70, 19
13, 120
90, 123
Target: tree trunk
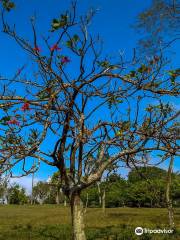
168, 199
78, 232
104, 200
32, 186
57, 196
87, 199
151, 203
99, 193
65, 202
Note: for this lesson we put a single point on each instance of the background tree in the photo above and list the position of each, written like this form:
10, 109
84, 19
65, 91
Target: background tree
41, 192
116, 191
175, 193
160, 23
3, 188
57, 188
100, 108
146, 173
17, 195
147, 190
147, 186
93, 196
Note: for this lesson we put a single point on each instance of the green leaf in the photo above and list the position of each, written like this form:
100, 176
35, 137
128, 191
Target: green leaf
43, 94
8, 5
119, 133
143, 69
63, 20
126, 125
56, 24
69, 44
132, 73
4, 120
76, 38
103, 64
119, 101
172, 79
11, 5
173, 75
149, 109
55, 21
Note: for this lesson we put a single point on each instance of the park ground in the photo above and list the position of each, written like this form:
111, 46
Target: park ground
53, 222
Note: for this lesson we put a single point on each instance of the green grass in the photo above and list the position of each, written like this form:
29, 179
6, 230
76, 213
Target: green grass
53, 222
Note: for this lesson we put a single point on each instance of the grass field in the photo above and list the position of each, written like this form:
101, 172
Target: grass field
53, 222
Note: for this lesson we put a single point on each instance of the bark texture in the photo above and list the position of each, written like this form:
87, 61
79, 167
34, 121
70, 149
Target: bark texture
78, 232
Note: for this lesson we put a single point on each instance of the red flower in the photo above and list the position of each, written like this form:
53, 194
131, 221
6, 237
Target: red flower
65, 60
55, 47
37, 49
25, 107
14, 121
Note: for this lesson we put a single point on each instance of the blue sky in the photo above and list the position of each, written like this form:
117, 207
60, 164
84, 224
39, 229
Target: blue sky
113, 22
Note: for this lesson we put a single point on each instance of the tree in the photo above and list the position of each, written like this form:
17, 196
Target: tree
175, 192
3, 188
153, 184
93, 196
148, 190
117, 191
57, 186
147, 184
99, 109
147, 194
17, 195
146, 173
41, 191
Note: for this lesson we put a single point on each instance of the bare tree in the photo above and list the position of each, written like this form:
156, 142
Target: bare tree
79, 107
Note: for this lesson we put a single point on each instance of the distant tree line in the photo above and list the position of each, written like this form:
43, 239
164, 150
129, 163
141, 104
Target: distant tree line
14, 194
144, 187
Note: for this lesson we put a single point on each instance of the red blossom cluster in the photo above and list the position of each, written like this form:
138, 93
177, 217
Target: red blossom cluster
25, 107
65, 59
37, 49
55, 47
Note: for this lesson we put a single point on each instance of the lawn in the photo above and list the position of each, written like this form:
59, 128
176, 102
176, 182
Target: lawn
53, 222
